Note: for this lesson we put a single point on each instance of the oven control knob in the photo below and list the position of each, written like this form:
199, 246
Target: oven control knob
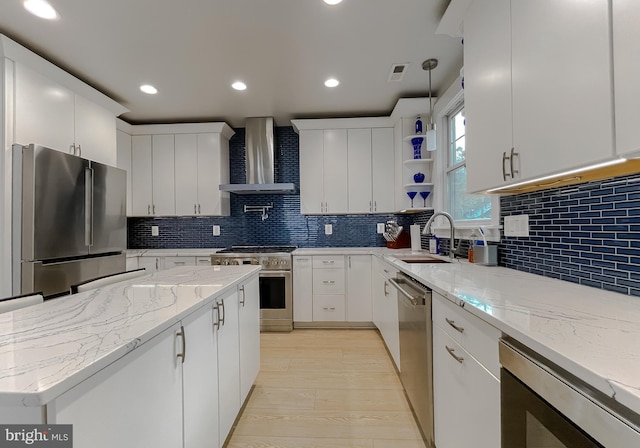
216, 262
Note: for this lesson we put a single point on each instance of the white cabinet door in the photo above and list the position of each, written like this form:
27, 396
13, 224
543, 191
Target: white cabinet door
213, 170
132, 263
311, 172
228, 363
203, 261
141, 176
249, 334
487, 93
359, 294
626, 71
151, 264
302, 289
200, 380
359, 174
124, 161
335, 171
383, 178
463, 392
163, 177
95, 132
44, 111
138, 398
172, 262
562, 101
186, 169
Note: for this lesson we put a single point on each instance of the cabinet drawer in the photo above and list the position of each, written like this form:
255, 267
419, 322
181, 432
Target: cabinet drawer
203, 261
463, 391
172, 262
476, 336
328, 281
328, 261
329, 308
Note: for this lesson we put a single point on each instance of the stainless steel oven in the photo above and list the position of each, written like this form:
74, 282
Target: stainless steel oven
276, 285
544, 406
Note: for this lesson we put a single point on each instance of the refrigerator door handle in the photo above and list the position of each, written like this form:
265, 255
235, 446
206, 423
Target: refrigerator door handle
88, 206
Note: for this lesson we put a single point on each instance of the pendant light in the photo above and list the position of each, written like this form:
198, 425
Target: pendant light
429, 65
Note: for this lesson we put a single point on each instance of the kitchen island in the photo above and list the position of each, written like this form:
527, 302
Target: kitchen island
71, 359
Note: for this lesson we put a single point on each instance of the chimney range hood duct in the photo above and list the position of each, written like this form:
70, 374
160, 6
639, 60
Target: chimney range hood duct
260, 161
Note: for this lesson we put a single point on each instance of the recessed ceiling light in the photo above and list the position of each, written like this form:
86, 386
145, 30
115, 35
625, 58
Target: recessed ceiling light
332, 2
239, 85
146, 88
40, 8
331, 82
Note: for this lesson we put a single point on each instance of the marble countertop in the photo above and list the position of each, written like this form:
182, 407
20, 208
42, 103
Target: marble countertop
172, 252
350, 251
48, 348
592, 333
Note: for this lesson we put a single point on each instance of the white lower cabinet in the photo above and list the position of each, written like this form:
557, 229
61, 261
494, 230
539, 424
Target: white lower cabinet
172, 262
249, 325
228, 363
151, 264
466, 389
385, 308
359, 298
302, 290
180, 389
159, 263
328, 288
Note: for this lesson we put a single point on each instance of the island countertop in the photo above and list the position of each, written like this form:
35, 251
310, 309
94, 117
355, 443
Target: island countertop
592, 333
49, 348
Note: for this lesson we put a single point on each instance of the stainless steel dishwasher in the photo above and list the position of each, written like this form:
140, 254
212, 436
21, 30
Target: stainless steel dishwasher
416, 349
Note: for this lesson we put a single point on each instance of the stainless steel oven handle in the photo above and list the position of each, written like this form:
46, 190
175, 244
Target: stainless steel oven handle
404, 292
606, 426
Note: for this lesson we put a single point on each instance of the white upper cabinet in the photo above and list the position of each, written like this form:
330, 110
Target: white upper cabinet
487, 93
532, 86
141, 180
323, 171
49, 114
626, 70
359, 170
345, 168
163, 177
123, 160
186, 174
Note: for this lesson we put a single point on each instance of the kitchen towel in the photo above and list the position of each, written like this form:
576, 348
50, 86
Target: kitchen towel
415, 237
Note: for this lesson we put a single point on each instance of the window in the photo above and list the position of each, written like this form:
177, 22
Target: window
462, 206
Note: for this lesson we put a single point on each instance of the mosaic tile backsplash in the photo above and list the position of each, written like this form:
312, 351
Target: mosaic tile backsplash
587, 234
285, 225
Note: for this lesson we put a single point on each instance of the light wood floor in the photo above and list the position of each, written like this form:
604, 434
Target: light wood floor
326, 388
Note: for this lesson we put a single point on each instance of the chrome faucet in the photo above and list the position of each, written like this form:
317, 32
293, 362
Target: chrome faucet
426, 231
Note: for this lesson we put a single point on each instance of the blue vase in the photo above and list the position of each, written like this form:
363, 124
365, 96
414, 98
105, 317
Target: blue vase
417, 146
418, 178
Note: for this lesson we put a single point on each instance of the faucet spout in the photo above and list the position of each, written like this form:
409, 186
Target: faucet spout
427, 227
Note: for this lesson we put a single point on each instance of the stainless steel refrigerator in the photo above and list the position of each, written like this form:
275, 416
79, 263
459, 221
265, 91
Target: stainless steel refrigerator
69, 220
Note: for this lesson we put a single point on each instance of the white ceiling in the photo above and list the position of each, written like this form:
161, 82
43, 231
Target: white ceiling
192, 50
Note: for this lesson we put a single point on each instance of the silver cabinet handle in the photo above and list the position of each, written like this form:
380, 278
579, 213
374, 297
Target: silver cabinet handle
179, 263
183, 335
349, 261
328, 261
216, 322
72, 149
504, 171
195, 209
198, 208
511, 163
154, 209
157, 260
243, 296
386, 293
370, 206
329, 308
79, 150
453, 324
148, 209
451, 352
221, 306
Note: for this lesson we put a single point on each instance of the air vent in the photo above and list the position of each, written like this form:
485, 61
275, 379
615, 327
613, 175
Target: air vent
397, 72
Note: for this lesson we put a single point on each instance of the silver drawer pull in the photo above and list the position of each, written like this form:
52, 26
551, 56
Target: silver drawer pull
453, 324
329, 308
451, 352
328, 261
328, 282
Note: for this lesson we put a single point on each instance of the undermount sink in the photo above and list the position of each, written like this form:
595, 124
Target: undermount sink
421, 259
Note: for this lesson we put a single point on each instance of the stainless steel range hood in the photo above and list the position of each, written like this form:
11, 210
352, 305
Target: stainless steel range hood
260, 161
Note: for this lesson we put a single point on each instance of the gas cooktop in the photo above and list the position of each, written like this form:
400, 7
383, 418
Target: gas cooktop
257, 249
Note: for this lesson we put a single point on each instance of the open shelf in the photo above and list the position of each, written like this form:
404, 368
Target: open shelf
423, 186
417, 162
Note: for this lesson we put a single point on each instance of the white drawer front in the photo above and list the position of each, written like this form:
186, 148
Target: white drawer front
328, 281
329, 308
328, 261
476, 336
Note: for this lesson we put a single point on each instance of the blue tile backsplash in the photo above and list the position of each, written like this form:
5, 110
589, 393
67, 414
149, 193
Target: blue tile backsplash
285, 225
587, 234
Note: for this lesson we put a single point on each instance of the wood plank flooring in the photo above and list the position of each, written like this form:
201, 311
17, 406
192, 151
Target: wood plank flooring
326, 388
